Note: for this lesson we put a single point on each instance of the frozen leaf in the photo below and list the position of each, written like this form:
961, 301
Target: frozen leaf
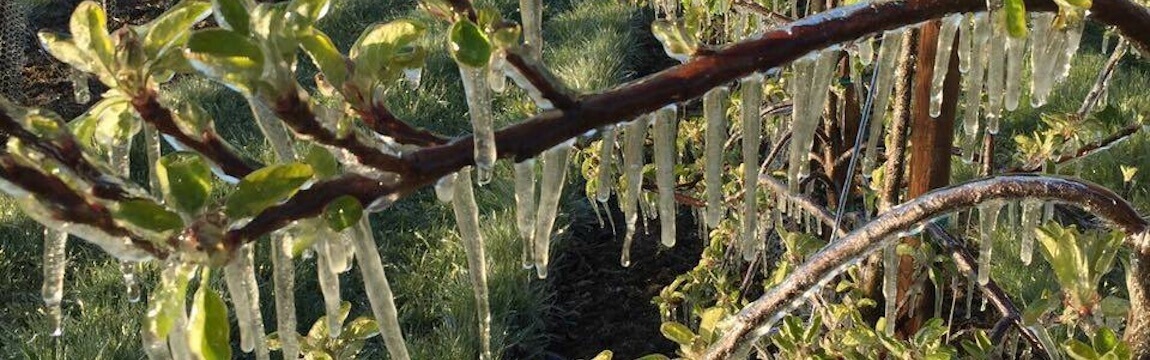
170, 30
343, 212
209, 331
380, 43
148, 215
468, 44
313, 10
266, 187
326, 57
226, 56
185, 180
233, 14
89, 27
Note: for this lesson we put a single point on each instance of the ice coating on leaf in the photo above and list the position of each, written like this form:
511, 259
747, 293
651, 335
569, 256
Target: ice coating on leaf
479, 107
525, 208
443, 188
630, 189
378, 290
554, 164
283, 281
714, 112
52, 290
665, 153
890, 261
329, 282
995, 77
606, 166
942, 61
467, 220
988, 223
1030, 214
1015, 51
81, 91
883, 85
751, 89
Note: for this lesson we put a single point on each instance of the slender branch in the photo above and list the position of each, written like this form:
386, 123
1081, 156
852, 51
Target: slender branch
820, 213
548, 86
761, 314
296, 112
207, 143
1085, 150
899, 128
1104, 76
382, 121
775, 17
964, 261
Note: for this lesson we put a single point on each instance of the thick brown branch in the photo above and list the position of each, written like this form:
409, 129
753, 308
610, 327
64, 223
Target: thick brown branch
548, 86
762, 313
207, 143
965, 264
382, 121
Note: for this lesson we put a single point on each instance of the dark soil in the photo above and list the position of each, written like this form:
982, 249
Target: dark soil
604, 306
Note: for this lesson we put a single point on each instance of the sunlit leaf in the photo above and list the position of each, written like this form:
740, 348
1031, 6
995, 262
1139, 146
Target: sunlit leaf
468, 44
185, 180
380, 42
171, 29
326, 57
64, 49
313, 10
343, 212
677, 332
266, 187
89, 27
208, 328
148, 215
233, 14
1015, 17
227, 56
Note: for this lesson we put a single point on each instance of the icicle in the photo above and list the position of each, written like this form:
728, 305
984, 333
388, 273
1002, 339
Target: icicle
595, 209
532, 17
988, 223
479, 106
1043, 44
811, 85
273, 129
525, 208
1030, 214
823, 74
152, 153
665, 153
550, 190
496, 78
1072, 38
887, 63
443, 188
865, 50
329, 281
467, 219
606, 167
634, 137
941, 61
974, 84
751, 88
284, 283
1015, 50
890, 262
413, 77
378, 290
965, 43
995, 75
240, 276
81, 91
715, 113
131, 284
52, 291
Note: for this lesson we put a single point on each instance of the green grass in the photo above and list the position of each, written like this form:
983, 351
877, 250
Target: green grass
422, 254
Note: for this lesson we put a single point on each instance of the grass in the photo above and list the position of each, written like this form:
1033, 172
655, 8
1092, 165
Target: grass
422, 254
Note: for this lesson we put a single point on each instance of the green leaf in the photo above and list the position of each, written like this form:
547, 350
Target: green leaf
167, 301
506, 37
208, 330
325, 56
148, 215
313, 10
1078, 350
677, 332
172, 28
89, 27
233, 14
185, 180
322, 161
654, 357
362, 328
709, 322
266, 187
468, 44
1015, 18
226, 56
378, 44
1106, 340
116, 124
604, 355
65, 50
343, 212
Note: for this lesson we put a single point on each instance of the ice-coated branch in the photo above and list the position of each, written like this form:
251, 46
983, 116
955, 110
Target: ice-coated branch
541, 78
296, 112
760, 315
966, 265
382, 121
208, 143
1086, 150
1104, 76
775, 17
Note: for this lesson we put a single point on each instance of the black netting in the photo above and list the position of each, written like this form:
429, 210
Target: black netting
13, 38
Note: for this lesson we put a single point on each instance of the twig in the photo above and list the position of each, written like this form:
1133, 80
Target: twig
964, 261
380, 119
298, 115
548, 85
1085, 150
775, 17
1104, 76
207, 143
875, 234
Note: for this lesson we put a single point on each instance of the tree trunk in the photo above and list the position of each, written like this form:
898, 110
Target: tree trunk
931, 140
1138, 320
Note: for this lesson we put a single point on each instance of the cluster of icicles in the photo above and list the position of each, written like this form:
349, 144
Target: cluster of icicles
990, 61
